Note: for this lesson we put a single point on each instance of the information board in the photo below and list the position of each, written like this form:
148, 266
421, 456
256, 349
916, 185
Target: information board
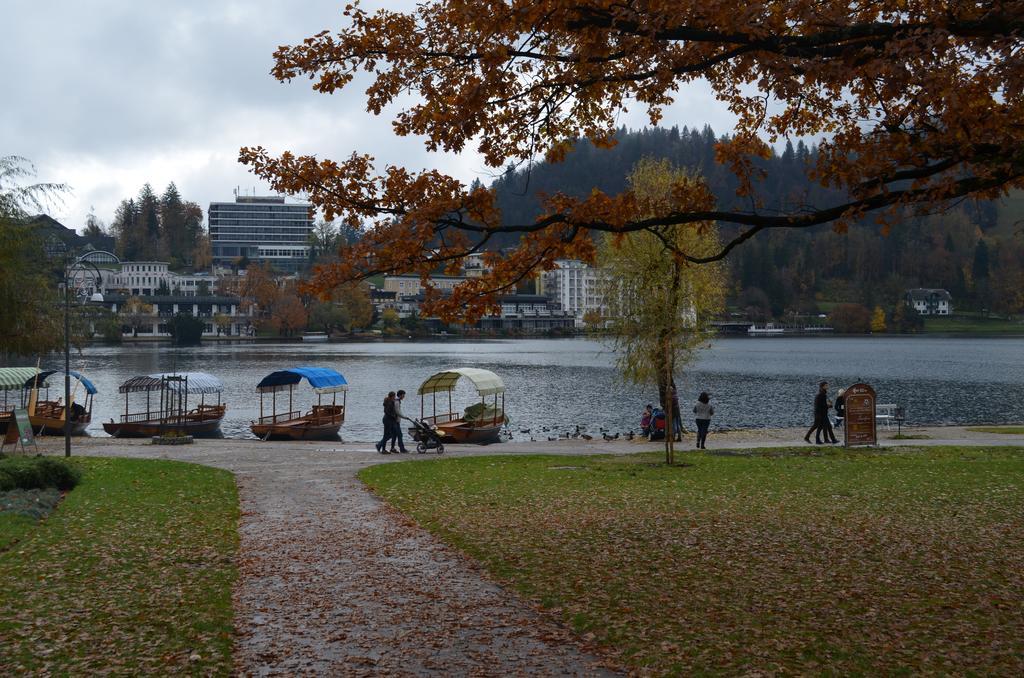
19, 430
859, 424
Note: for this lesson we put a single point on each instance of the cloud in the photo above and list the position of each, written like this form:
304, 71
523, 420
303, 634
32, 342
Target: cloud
107, 95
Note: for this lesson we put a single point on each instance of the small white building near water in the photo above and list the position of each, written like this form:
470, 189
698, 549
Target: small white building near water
927, 301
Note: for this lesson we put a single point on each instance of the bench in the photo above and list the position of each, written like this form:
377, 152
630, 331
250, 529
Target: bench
885, 415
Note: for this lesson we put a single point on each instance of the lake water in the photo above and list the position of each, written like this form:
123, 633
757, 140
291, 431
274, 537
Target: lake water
560, 383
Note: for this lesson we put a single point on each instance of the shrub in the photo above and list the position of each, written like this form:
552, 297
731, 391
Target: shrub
37, 473
851, 319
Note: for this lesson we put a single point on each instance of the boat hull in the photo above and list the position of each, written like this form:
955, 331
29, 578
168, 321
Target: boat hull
147, 429
44, 426
468, 434
322, 423
296, 429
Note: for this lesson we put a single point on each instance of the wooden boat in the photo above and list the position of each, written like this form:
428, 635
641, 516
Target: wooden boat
321, 422
172, 415
479, 423
12, 381
47, 415
314, 338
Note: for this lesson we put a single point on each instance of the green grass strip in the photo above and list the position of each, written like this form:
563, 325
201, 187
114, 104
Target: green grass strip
132, 573
803, 561
1006, 430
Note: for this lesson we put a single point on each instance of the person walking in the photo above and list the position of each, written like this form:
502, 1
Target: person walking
703, 412
840, 407
389, 423
821, 423
399, 397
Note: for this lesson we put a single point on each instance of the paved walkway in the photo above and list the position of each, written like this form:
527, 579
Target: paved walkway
334, 582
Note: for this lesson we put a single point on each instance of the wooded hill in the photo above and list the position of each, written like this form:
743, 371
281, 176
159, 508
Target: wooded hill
975, 249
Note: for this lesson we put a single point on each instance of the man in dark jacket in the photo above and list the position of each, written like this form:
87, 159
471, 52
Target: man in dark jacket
821, 422
390, 424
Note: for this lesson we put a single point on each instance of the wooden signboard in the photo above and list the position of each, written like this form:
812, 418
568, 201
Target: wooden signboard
859, 424
20, 433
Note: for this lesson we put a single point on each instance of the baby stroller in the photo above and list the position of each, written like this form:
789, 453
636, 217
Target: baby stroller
427, 437
657, 430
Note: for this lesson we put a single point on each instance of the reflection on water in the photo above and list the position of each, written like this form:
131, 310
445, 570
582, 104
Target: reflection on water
556, 384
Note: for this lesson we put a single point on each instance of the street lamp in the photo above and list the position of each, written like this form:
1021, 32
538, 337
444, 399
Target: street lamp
80, 264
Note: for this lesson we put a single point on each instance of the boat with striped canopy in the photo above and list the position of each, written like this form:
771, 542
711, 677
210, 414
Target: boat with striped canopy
321, 422
47, 415
12, 380
167, 406
479, 423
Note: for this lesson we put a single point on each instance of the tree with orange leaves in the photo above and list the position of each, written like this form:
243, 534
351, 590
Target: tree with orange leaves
919, 103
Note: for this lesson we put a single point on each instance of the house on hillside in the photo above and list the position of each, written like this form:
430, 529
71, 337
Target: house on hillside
930, 301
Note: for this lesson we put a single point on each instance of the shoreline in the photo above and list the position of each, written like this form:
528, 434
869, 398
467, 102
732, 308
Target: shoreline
733, 439
527, 337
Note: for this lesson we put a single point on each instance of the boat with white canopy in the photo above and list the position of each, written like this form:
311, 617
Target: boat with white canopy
480, 422
47, 415
168, 393
321, 422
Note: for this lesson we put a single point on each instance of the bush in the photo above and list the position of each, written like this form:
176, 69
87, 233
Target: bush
37, 473
851, 319
186, 330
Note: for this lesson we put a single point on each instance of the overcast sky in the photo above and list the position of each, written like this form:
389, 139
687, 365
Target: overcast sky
105, 95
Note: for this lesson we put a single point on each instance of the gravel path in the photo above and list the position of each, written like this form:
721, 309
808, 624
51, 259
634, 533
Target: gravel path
334, 582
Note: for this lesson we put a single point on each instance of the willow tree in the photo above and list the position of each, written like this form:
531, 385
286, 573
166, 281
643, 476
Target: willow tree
660, 305
28, 295
916, 104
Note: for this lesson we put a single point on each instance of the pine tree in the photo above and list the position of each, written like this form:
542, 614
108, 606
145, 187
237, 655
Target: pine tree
172, 226
149, 224
126, 229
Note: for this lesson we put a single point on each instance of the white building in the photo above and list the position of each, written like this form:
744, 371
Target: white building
142, 279
220, 315
410, 285
575, 287
261, 229
930, 301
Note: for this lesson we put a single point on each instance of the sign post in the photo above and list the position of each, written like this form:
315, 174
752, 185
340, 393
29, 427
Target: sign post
22, 428
859, 427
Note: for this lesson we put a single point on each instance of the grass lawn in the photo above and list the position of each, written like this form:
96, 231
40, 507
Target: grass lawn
132, 573
974, 324
1008, 430
799, 561
14, 527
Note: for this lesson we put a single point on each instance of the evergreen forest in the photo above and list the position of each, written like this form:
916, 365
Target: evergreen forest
975, 250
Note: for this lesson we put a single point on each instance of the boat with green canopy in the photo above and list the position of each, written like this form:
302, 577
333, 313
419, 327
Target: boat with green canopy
479, 423
12, 381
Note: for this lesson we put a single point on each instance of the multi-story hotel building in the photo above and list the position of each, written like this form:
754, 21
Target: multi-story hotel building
262, 229
575, 287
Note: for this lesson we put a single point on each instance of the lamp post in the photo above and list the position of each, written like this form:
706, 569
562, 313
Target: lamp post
81, 263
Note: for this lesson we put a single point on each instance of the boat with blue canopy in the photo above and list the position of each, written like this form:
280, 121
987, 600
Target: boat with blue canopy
47, 415
321, 422
167, 406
